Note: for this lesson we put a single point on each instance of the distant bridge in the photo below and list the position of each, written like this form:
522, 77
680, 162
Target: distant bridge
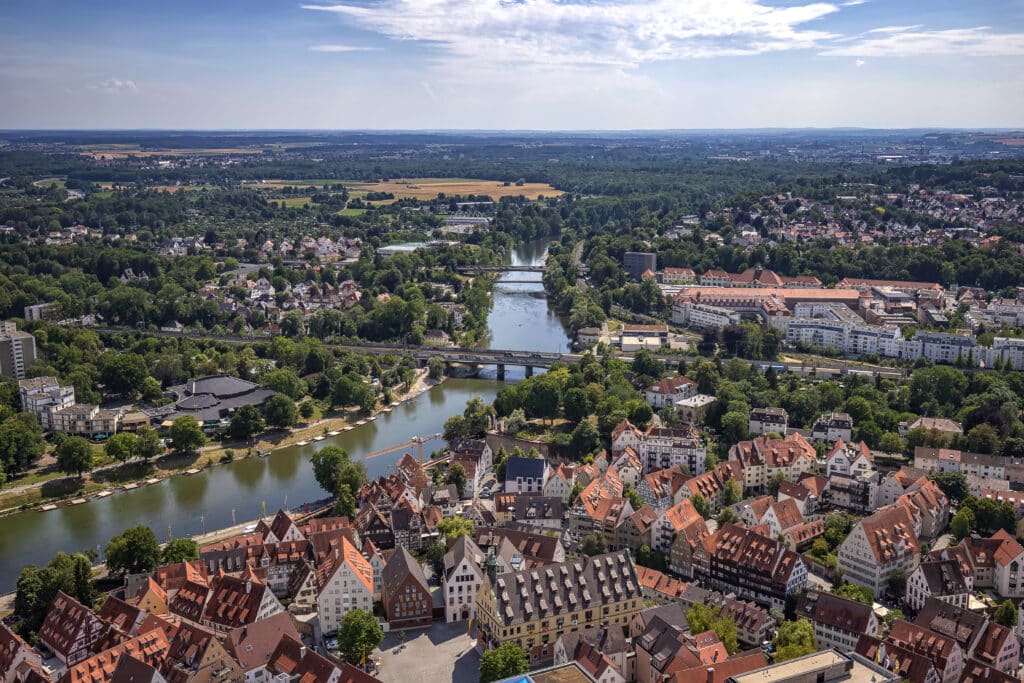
525, 359
501, 269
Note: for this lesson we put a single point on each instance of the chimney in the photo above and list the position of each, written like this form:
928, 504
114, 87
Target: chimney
302, 652
711, 674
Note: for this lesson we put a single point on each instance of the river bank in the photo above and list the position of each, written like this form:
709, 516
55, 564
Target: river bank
50, 494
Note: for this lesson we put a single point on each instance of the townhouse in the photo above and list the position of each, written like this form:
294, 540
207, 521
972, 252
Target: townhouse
944, 652
525, 475
764, 421
17, 658
763, 458
463, 576
838, 622
668, 391
682, 519
977, 636
405, 594
941, 579
833, 427
752, 566
70, 630
662, 447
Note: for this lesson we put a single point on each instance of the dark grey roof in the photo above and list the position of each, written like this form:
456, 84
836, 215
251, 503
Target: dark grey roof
458, 550
214, 398
944, 577
531, 594
400, 565
525, 468
673, 614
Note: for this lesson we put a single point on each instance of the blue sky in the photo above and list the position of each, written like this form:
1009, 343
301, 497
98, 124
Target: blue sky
537, 64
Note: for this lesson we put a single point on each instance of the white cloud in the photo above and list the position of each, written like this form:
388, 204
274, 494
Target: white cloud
854, 3
860, 63
341, 48
552, 34
912, 41
116, 85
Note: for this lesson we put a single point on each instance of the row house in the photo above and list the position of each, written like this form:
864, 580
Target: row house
908, 665
940, 579
629, 467
754, 624
405, 595
560, 483
996, 562
637, 529
658, 586
682, 519
603, 653
931, 505
463, 576
878, 546
763, 458
833, 427
944, 652
838, 622
70, 630
711, 485
849, 459
977, 636
476, 458
803, 495
750, 565
662, 489
533, 548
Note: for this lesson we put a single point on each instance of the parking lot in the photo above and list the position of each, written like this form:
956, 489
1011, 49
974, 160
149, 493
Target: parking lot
440, 654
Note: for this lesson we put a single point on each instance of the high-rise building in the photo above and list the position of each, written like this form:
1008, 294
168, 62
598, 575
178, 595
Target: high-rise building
17, 351
636, 263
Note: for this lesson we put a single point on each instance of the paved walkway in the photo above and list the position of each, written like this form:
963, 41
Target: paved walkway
440, 654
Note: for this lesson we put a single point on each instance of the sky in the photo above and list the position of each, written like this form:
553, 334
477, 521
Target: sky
511, 64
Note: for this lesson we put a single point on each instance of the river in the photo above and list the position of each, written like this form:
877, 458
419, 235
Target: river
184, 505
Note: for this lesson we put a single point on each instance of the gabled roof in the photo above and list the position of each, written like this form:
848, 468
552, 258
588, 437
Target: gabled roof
516, 467
253, 645
684, 519
744, 547
66, 619
660, 583
401, 566
11, 645
890, 534
281, 525
463, 548
671, 385
234, 601
943, 577
908, 665
969, 629
787, 513
302, 664
721, 671
150, 648
936, 647
1009, 549
343, 553
834, 611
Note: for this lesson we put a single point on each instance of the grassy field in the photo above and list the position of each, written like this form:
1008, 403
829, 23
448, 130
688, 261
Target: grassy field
50, 182
429, 188
179, 188
293, 201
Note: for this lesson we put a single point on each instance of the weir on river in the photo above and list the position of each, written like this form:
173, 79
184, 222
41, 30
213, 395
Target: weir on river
520, 319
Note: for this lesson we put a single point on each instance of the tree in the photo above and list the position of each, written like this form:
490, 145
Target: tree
21, 442
345, 505
186, 434
457, 476
307, 409
179, 550
280, 411
133, 551
123, 373
592, 545
435, 556
891, 443
701, 505
962, 524
854, 592
1006, 614
794, 639
245, 422
436, 367
543, 397
727, 516
982, 438
327, 464
359, 634
702, 618
733, 493
585, 439
453, 527
121, 446
38, 586
151, 390
148, 443
734, 427
577, 489
504, 661
575, 405
633, 496
774, 482
953, 484
897, 583
74, 456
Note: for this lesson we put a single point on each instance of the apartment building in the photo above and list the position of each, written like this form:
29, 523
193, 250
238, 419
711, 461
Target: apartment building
17, 351
878, 546
838, 622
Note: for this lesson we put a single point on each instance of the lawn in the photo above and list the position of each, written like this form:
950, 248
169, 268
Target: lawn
352, 212
429, 188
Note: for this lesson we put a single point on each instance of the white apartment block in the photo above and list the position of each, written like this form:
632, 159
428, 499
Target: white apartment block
344, 583
44, 397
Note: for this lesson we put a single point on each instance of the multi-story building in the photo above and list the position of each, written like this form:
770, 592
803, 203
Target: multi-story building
763, 458
768, 421
406, 595
535, 607
463, 576
752, 566
833, 427
977, 636
525, 475
941, 579
17, 351
44, 397
682, 519
668, 391
662, 447
878, 546
849, 459
344, 581
838, 622
636, 263
70, 630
